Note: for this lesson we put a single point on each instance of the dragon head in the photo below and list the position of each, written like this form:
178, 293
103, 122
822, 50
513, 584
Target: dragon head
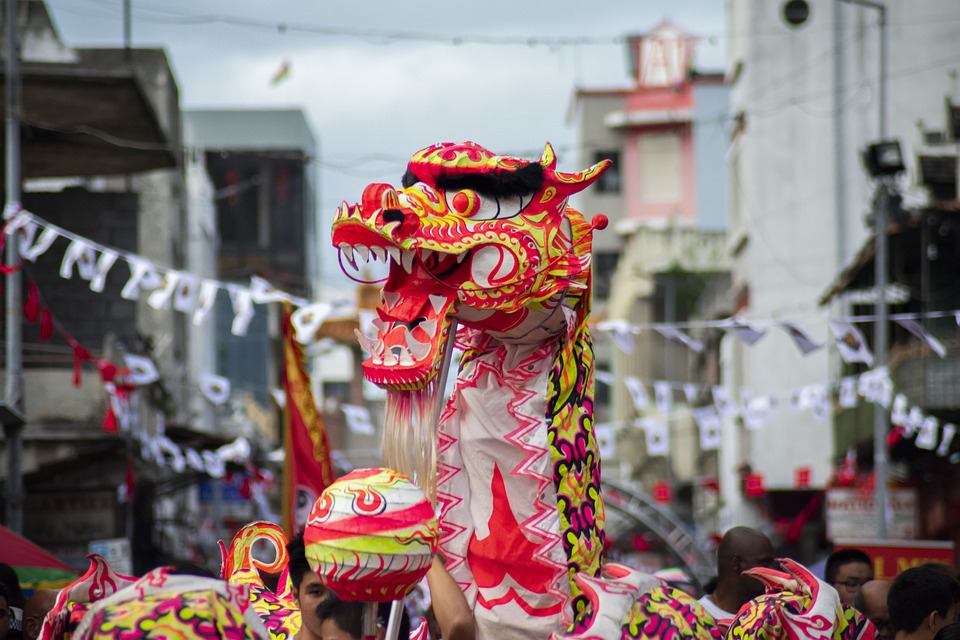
480, 238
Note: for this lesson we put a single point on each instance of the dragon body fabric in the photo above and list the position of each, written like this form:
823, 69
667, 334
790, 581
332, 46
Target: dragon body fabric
488, 244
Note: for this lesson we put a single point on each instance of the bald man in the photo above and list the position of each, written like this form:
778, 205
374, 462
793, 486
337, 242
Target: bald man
34, 611
871, 601
741, 548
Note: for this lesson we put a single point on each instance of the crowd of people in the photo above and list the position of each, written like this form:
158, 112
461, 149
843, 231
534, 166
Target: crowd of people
921, 603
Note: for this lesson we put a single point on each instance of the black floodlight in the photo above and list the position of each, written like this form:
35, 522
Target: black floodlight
883, 158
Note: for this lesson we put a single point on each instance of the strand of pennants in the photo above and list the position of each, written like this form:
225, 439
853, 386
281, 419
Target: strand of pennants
164, 287
119, 384
850, 341
755, 410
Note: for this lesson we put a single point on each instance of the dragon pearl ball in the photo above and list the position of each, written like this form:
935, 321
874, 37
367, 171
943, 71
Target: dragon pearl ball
371, 535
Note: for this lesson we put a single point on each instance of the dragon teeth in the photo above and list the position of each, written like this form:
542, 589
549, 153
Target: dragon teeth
363, 251
346, 253
425, 254
430, 326
394, 254
418, 349
462, 256
437, 302
373, 347
390, 298
379, 253
407, 261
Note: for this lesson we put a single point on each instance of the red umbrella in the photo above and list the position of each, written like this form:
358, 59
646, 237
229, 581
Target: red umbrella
35, 567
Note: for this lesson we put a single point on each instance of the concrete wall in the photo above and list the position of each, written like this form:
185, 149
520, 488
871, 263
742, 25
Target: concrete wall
711, 139
596, 136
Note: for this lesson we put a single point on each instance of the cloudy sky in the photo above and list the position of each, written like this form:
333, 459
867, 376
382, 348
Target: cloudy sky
380, 79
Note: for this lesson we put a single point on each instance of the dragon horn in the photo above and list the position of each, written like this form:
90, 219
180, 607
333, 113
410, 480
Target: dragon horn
549, 158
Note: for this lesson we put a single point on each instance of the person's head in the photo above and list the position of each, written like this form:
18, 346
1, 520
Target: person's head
34, 611
307, 588
340, 619
921, 601
9, 577
846, 570
4, 610
946, 569
743, 548
871, 601
949, 632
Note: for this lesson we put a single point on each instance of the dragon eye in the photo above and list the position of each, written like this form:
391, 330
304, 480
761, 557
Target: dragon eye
470, 204
466, 203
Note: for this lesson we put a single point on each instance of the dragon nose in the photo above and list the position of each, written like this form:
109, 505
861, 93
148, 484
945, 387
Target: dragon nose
390, 204
383, 197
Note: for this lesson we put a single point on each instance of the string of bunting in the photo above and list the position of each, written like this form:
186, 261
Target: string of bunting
848, 337
164, 287
756, 409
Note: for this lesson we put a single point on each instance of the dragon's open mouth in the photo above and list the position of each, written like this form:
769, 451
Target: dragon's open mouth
414, 316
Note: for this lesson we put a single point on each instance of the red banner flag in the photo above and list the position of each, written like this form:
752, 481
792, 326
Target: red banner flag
307, 470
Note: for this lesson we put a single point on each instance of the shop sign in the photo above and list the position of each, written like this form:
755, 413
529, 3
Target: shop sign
851, 513
890, 557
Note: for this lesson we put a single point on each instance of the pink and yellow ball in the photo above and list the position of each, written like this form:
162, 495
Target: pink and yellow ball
371, 535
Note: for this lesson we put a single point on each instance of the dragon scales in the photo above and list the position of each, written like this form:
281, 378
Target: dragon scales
489, 243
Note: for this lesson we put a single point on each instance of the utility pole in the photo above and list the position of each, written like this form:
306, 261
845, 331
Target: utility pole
10, 411
880, 334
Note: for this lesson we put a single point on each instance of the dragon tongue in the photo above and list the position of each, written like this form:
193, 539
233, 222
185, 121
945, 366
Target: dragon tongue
410, 303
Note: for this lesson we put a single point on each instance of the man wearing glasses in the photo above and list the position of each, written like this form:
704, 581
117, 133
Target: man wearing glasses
847, 570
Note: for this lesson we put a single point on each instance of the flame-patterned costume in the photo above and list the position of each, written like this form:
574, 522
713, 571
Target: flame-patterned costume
488, 242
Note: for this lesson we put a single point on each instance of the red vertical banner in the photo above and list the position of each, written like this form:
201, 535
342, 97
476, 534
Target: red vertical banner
307, 469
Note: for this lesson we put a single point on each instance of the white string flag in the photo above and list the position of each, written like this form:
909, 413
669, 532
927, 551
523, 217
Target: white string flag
723, 402
658, 436
242, 309
205, 299
848, 392
160, 297
81, 254
358, 419
663, 392
142, 274
142, 370
927, 434
606, 441
46, 240
621, 333
747, 332
709, 423
801, 338
638, 393
949, 431
917, 329
185, 296
215, 388
104, 263
307, 320
671, 332
850, 342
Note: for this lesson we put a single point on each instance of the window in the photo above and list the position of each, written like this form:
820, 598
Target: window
609, 182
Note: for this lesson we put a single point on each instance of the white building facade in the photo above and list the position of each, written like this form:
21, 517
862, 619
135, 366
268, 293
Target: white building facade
805, 98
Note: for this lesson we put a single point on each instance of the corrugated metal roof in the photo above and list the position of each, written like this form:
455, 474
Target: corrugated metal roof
249, 129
